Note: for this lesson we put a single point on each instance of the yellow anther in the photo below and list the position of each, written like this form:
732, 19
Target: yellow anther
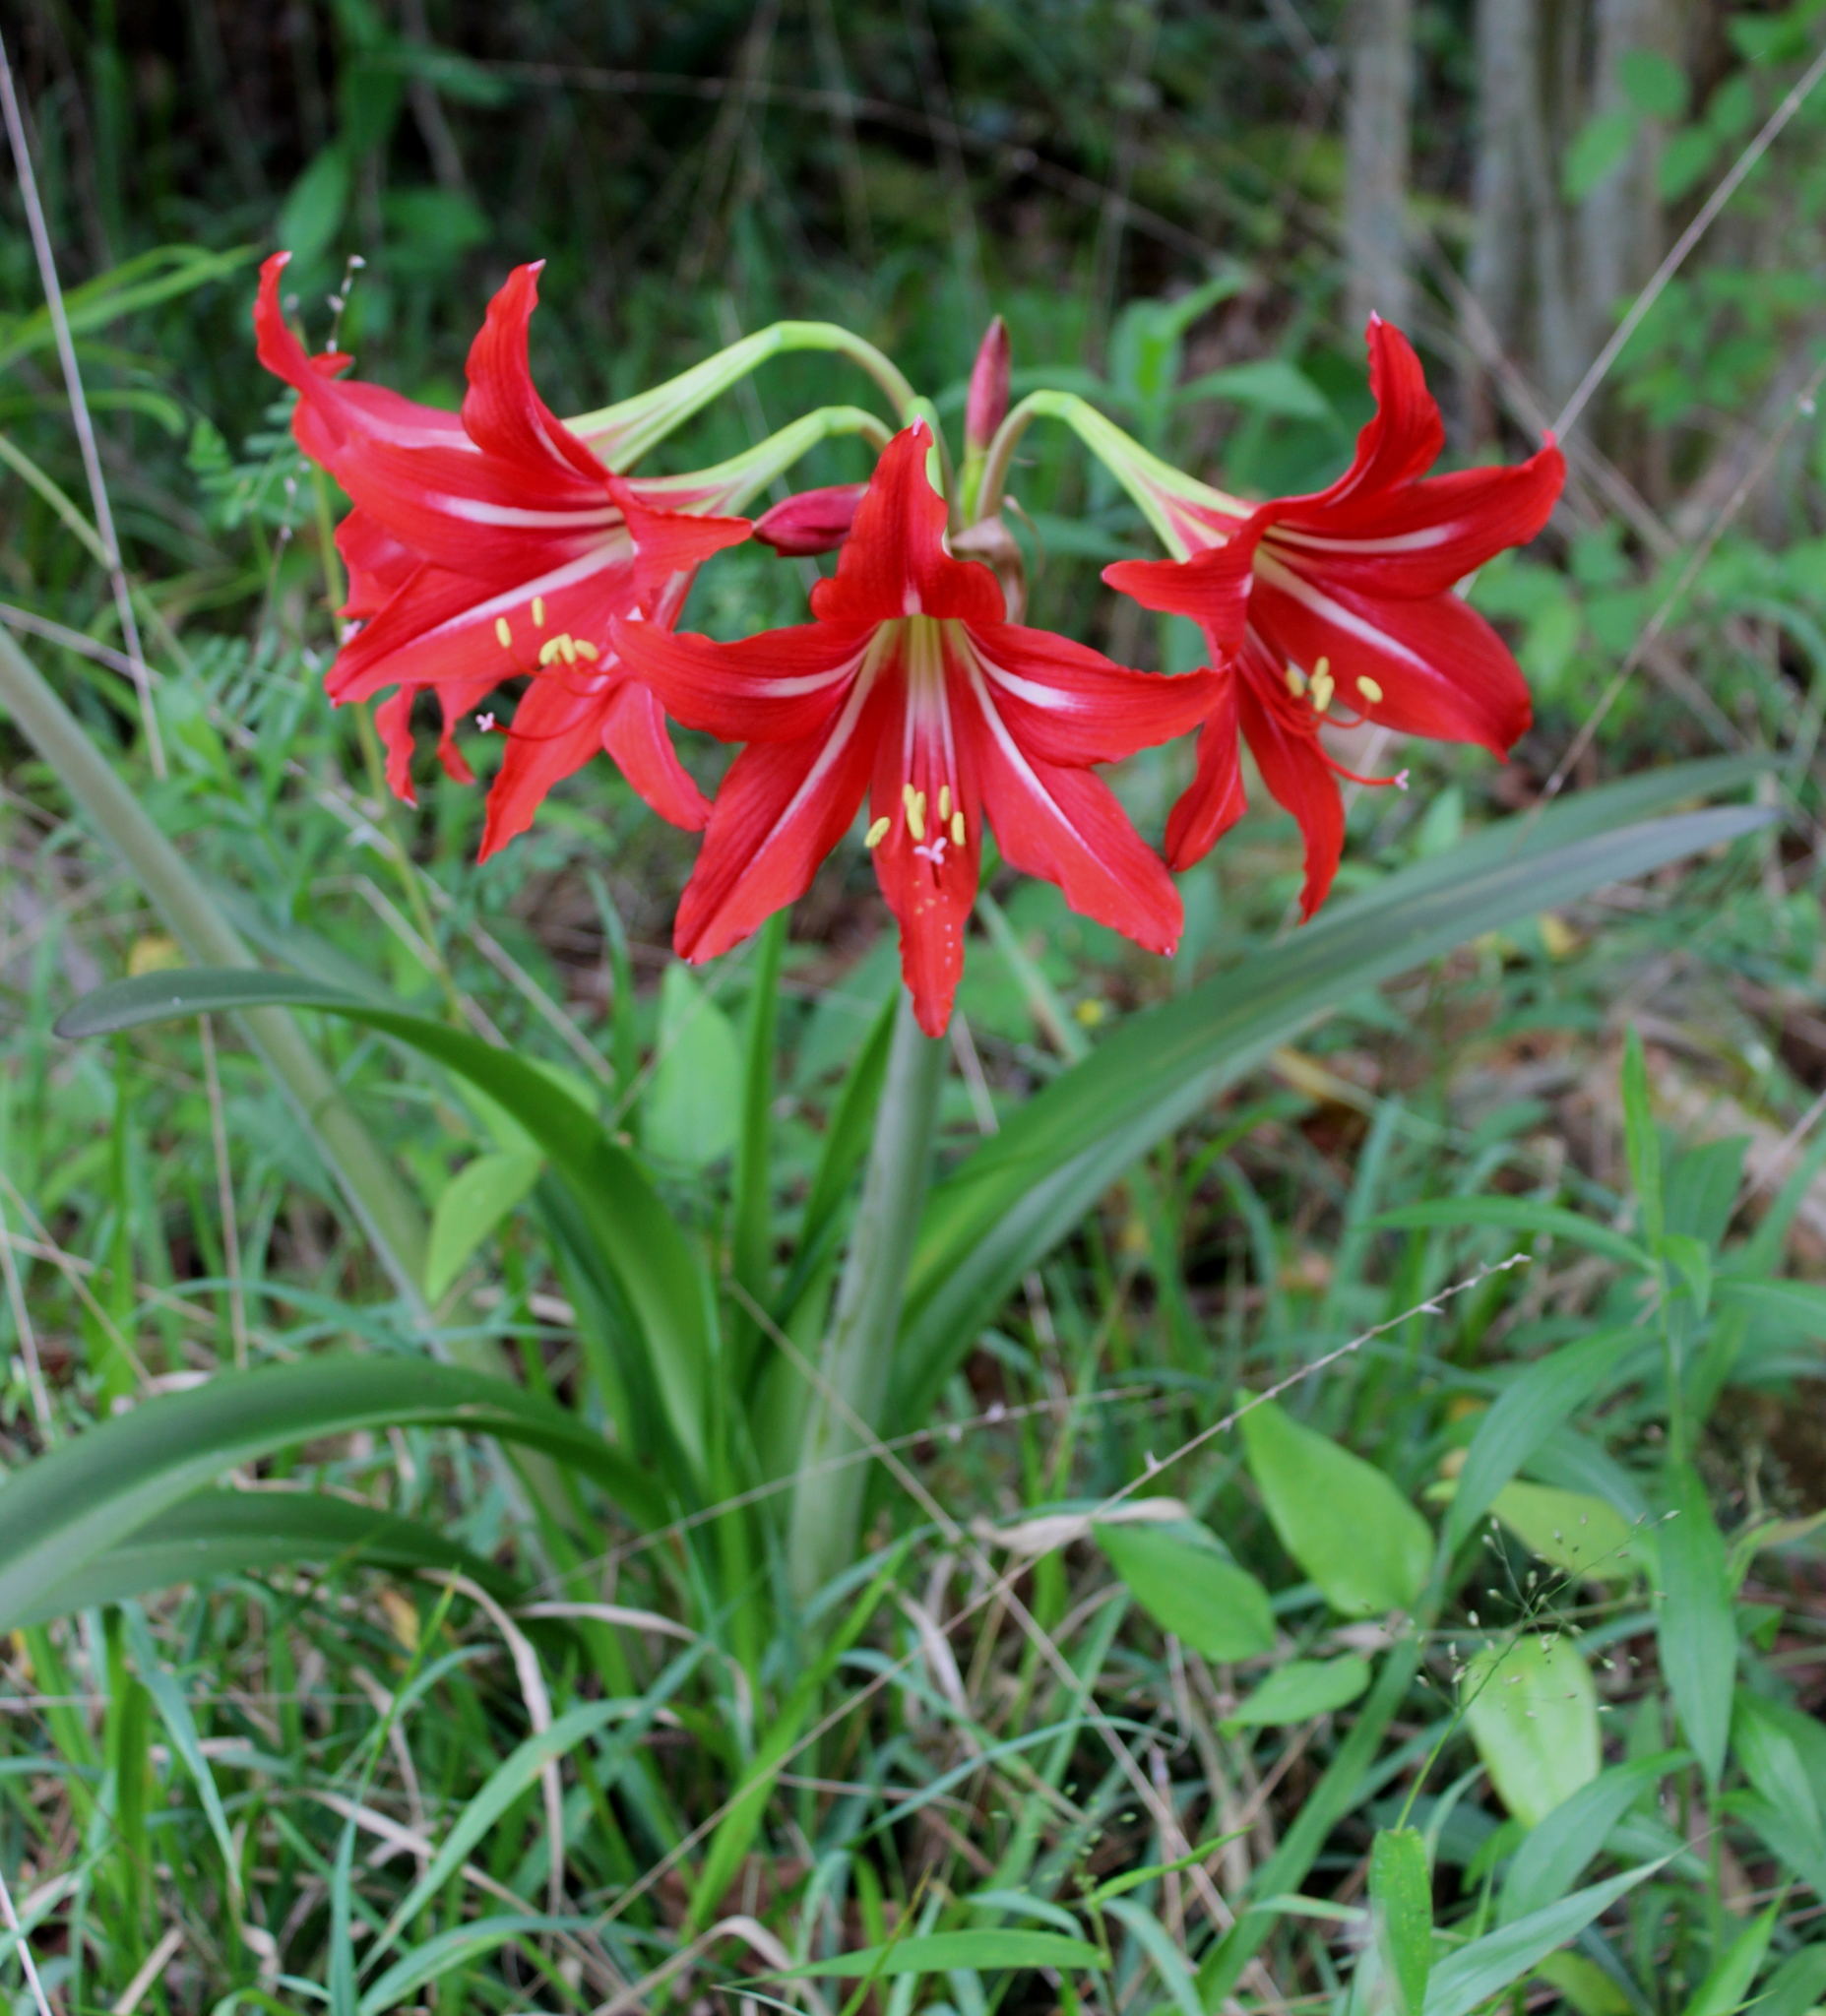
539, 612
1322, 670
1297, 681
877, 832
567, 646
584, 649
503, 634
1368, 689
915, 801
1322, 690
957, 828
549, 650
944, 801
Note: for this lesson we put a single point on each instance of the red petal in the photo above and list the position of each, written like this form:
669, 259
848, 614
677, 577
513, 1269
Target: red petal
1419, 539
1214, 801
379, 566
780, 809
556, 729
441, 625
636, 738
894, 562
1403, 439
501, 412
1064, 703
929, 878
775, 687
1212, 587
1297, 775
668, 542
1441, 670
393, 722
1065, 825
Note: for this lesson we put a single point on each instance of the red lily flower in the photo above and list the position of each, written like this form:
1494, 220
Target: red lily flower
492, 544
1346, 594
912, 687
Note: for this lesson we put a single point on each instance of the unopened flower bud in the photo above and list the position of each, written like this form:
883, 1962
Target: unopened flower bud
987, 404
812, 522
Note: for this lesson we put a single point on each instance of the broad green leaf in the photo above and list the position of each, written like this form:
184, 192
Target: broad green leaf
945, 1952
1654, 83
1012, 1199
1727, 1987
659, 1272
1268, 385
1696, 1628
1516, 1215
1641, 1144
1599, 150
1584, 1985
1302, 1689
475, 1201
1485, 1968
312, 212
693, 1107
1783, 1753
1164, 1956
1525, 1414
72, 1504
1533, 1712
1363, 1543
459, 1946
1802, 1303
1557, 1849
1797, 1985
751, 1243
1401, 1912
1184, 1577
1585, 1535
239, 1533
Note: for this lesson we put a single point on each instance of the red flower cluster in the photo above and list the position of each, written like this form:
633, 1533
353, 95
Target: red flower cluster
500, 542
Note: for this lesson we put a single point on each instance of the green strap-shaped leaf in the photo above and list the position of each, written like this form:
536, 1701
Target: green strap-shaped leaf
947, 1952
1516, 1215
64, 1511
1023, 1190
1555, 1854
242, 1532
1696, 1628
660, 1274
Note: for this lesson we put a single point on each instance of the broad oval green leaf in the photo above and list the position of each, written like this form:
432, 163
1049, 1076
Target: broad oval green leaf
999, 1947
691, 1109
62, 1511
1533, 1712
1585, 1535
1401, 1912
475, 1201
1184, 1577
1301, 1689
1367, 1549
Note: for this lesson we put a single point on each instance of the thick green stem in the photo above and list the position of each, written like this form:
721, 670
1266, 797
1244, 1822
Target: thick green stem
858, 1351
391, 1218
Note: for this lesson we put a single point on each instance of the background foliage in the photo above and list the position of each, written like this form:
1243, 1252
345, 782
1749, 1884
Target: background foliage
1593, 1476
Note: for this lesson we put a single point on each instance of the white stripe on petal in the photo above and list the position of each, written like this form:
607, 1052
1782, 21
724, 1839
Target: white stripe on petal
1011, 750
1271, 571
475, 511
840, 737
1396, 542
567, 575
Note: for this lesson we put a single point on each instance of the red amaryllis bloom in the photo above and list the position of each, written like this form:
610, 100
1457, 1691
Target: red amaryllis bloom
1345, 596
491, 543
911, 686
